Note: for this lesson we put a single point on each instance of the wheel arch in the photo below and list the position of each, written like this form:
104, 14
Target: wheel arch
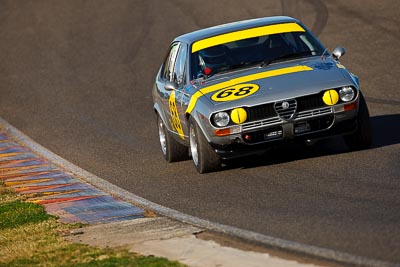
196, 117
159, 111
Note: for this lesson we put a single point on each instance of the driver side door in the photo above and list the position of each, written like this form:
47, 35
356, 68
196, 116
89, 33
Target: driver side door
174, 99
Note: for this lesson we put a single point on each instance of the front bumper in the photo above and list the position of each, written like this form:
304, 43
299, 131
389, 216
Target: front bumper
297, 131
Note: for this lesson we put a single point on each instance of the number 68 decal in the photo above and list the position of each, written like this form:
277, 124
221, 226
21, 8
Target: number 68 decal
235, 92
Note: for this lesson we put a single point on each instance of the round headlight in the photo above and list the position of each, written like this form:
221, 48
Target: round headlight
221, 119
346, 93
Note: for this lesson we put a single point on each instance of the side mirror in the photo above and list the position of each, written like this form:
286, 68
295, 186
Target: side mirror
169, 86
338, 52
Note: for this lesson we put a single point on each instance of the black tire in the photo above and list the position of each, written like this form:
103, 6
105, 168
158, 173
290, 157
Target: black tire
205, 160
171, 149
362, 137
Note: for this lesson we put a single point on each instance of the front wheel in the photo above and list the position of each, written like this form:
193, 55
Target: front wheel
171, 149
362, 137
204, 157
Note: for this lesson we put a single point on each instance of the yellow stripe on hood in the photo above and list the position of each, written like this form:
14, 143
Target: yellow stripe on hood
244, 79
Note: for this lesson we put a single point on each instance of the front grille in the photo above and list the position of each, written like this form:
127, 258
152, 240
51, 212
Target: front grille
297, 106
310, 102
286, 108
261, 112
272, 114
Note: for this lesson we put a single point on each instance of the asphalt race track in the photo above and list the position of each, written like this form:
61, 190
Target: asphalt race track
76, 76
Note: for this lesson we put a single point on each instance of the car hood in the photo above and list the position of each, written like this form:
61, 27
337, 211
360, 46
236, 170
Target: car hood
278, 81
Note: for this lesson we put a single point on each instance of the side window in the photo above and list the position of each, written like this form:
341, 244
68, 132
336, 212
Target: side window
168, 66
180, 65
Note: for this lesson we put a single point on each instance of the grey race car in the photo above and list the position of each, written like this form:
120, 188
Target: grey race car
239, 88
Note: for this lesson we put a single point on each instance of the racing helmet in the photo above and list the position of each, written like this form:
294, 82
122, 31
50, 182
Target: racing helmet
215, 57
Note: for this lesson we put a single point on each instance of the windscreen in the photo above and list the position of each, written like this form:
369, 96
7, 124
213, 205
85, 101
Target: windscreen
262, 50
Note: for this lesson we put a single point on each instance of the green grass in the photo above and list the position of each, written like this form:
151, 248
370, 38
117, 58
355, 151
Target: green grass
16, 213
30, 237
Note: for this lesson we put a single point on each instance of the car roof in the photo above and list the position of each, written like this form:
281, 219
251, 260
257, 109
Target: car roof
232, 27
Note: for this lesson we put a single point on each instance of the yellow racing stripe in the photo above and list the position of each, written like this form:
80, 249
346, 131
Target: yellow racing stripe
244, 79
244, 34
